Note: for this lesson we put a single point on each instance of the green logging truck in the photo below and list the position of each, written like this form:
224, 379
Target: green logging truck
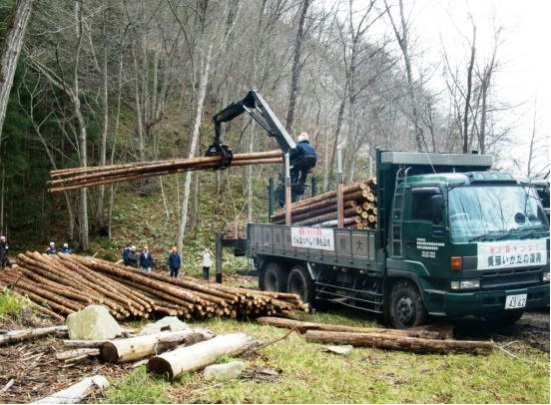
452, 239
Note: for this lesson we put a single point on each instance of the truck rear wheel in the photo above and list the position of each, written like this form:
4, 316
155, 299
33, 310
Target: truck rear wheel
406, 306
274, 278
300, 283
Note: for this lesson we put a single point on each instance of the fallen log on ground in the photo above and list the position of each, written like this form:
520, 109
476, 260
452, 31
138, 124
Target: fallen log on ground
404, 343
303, 327
15, 336
77, 354
76, 393
138, 347
187, 359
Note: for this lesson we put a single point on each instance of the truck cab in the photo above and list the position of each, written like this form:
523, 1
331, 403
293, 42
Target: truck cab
472, 243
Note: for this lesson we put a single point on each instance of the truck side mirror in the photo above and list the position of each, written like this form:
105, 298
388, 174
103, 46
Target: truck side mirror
436, 208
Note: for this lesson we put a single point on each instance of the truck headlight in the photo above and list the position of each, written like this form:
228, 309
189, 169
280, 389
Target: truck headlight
545, 277
465, 284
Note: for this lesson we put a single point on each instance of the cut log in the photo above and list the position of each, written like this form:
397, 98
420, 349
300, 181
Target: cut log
77, 353
410, 344
302, 327
186, 359
76, 393
26, 334
138, 347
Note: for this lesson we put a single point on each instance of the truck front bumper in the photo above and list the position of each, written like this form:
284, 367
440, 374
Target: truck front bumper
487, 302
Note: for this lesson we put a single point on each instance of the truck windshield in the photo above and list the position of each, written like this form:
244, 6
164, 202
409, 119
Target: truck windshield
494, 213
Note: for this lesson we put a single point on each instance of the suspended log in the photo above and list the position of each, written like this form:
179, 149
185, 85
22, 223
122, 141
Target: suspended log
16, 336
138, 347
187, 359
76, 393
70, 179
302, 327
410, 344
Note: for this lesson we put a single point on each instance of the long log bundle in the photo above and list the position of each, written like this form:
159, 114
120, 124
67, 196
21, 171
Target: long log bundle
359, 208
81, 177
63, 284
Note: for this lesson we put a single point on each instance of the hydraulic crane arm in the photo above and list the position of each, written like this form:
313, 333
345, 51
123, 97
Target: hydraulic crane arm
256, 106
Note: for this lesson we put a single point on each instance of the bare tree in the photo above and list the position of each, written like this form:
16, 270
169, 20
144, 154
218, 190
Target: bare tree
11, 48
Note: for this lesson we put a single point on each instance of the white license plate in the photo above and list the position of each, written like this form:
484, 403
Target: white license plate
515, 301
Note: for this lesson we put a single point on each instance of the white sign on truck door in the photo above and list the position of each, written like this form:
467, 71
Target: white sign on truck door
313, 238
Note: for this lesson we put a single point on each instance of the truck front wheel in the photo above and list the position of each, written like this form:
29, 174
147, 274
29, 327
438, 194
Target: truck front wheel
274, 278
406, 306
300, 283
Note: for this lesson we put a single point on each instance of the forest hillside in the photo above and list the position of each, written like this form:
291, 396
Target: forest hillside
101, 82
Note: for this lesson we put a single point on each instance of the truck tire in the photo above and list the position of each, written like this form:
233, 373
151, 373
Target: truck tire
406, 306
300, 283
273, 278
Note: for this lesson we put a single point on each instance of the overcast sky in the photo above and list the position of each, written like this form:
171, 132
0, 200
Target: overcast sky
524, 78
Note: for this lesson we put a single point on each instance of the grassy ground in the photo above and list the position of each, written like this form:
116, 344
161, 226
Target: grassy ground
308, 374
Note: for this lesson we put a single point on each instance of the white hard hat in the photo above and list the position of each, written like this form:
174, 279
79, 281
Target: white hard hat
52, 244
303, 136
133, 248
65, 245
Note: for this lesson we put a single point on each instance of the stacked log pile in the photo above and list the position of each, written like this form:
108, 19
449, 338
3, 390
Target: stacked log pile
359, 206
61, 284
81, 177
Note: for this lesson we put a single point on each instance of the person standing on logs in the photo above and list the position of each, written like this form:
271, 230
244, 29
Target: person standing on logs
303, 159
51, 249
206, 257
174, 262
4, 261
133, 257
146, 260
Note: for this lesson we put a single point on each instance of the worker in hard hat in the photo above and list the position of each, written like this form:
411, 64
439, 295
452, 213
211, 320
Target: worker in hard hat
303, 160
51, 249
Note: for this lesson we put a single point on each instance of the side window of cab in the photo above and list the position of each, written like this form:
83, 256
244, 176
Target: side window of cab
426, 204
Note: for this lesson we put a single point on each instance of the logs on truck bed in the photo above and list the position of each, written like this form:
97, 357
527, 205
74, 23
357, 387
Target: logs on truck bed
70, 179
406, 343
359, 208
186, 359
54, 281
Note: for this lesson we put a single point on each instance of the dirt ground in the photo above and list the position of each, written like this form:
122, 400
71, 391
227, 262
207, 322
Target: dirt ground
30, 371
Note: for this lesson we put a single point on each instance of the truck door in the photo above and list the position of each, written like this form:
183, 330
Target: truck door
423, 228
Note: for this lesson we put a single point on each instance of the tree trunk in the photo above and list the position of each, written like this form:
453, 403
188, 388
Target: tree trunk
199, 355
296, 66
412, 344
134, 348
193, 146
13, 41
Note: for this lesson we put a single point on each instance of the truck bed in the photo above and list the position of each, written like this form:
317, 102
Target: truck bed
352, 248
